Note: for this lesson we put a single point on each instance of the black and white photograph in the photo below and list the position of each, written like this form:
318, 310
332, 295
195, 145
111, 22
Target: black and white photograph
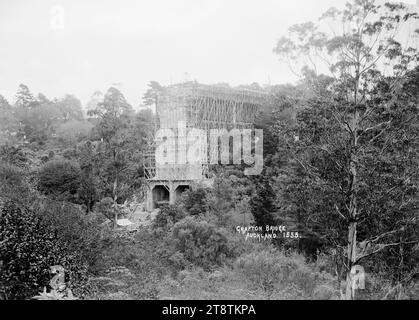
209, 155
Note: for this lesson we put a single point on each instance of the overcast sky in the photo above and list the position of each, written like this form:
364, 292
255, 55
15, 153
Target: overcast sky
104, 42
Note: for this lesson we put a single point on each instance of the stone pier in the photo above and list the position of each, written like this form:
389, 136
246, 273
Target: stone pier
164, 192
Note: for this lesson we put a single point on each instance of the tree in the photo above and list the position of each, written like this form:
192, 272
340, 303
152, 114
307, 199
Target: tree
356, 125
38, 119
263, 204
24, 97
29, 247
116, 155
72, 131
88, 192
114, 129
142, 133
152, 94
227, 202
90, 161
96, 98
8, 121
70, 108
59, 179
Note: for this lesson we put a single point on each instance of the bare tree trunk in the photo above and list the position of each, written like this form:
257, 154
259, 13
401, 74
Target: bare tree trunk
353, 211
115, 198
351, 258
352, 228
353, 208
115, 193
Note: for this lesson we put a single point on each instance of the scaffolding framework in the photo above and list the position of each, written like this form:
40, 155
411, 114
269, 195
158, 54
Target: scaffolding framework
197, 106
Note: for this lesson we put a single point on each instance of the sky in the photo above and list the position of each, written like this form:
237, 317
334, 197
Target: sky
60, 47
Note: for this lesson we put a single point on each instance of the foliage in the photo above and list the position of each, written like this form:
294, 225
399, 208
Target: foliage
76, 231
38, 118
8, 121
118, 154
70, 132
357, 133
88, 192
201, 243
132, 264
222, 283
340, 166
263, 204
279, 274
70, 108
13, 183
152, 94
167, 216
258, 274
24, 98
15, 155
108, 209
28, 249
229, 199
59, 179
195, 201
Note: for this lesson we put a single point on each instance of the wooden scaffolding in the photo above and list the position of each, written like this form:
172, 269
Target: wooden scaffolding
201, 107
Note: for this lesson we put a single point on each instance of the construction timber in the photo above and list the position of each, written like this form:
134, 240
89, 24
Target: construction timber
197, 106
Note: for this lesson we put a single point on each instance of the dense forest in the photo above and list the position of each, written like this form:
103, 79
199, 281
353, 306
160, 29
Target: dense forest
341, 159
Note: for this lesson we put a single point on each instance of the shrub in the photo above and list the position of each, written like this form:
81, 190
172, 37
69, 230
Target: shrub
133, 264
14, 155
195, 201
76, 231
229, 200
195, 283
263, 204
264, 269
120, 283
284, 277
27, 250
167, 216
88, 193
60, 179
201, 243
69, 154
12, 183
72, 131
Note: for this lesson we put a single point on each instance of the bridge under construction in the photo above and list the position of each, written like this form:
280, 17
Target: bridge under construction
179, 109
